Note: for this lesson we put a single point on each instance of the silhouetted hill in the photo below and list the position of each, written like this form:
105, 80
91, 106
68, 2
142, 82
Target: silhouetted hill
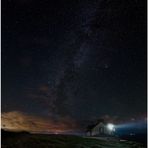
7, 134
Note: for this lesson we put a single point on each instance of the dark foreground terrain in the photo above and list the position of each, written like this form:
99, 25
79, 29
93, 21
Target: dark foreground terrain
26, 140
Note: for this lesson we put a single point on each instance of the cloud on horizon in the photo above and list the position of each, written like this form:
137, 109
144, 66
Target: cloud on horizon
19, 121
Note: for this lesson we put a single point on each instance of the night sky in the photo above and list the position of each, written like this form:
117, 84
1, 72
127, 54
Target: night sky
69, 61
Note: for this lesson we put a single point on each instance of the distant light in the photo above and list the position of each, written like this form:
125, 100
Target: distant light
110, 127
132, 134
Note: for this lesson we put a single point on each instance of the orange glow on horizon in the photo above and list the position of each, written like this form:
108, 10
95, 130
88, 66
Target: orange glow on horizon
18, 121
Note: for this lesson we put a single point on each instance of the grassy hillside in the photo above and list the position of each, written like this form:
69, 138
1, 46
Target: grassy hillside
26, 140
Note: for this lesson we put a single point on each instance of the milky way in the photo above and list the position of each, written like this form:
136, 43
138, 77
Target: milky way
77, 59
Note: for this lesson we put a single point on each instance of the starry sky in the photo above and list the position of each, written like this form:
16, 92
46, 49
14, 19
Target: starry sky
65, 62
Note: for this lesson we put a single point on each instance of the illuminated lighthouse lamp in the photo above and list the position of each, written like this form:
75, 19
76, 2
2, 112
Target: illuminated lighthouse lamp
111, 127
